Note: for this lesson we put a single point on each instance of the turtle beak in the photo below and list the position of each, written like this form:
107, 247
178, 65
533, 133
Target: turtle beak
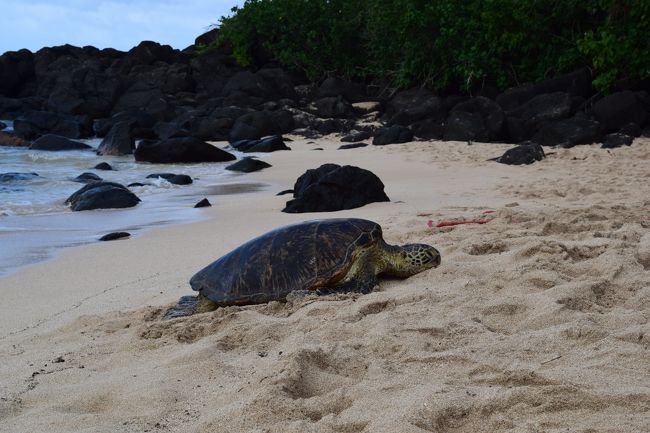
434, 257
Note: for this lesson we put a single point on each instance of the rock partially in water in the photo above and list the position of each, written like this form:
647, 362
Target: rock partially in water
176, 179
87, 178
115, 235
102, 195
248, 165
57, 142
103, 166
203, 203
16, 177
180, 149
118, 141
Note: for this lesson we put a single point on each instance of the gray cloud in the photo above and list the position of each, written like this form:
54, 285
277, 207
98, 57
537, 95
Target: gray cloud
119, 24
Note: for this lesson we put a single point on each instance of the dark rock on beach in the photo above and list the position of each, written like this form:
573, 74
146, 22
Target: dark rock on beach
392, 135
569, 132
412, 105
137, 184
103, 166
248, 165
611, 141
522, 154
176, 179
57, 142
114, 236
352, 146
332, 187
618, 109
102, 195
118, 141
33, 124
203, 203
258, 124
87, 178
356, 136
334, 107
476, 119
180, 149
268, 144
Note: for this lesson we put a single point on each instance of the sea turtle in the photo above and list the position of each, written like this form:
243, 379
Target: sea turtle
341, 254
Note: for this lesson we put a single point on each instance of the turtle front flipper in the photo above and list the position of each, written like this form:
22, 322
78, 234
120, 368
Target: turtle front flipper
188, 305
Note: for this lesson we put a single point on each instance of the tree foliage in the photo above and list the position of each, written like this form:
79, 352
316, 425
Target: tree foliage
445, 44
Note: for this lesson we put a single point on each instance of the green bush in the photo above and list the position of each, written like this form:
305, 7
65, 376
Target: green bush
446, 44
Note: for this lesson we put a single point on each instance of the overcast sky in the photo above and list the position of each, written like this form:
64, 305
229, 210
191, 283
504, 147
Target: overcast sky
120, 24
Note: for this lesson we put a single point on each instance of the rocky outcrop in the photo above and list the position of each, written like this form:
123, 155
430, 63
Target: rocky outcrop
332, 187
181, 149
476, 119
619, 109
258, 124
102, 195
269, 144
33, 124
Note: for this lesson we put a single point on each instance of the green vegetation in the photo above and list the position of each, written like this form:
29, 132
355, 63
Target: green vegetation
446, 44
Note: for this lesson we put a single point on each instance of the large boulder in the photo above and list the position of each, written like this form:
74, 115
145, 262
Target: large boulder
618, 109
392, 135
33, 124
57, 142
569, 132
476, 119
258, 124
334, 107
102, 195
16, 68
577, 83
540, 110
180, 149
334, 86
332, 187
118, 141
409, 106
522, 154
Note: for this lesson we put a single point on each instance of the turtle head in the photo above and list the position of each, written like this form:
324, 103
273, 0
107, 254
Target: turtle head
411, 259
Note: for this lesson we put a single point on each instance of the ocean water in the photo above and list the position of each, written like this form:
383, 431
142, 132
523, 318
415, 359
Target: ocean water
35, 224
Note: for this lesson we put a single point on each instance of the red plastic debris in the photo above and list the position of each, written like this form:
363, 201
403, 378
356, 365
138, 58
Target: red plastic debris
456, 223
489, 211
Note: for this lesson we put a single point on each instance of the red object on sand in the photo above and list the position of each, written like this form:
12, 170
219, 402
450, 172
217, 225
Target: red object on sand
489, 211
456, 223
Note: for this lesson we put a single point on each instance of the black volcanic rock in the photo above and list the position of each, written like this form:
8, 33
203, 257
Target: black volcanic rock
352, 146
203, 203
102, 195
16, 68
142, 123
176, 179
9, 139
412, 105
248, 165
118, 141
332, 187
391, 135
103, 166
180, 149
258, 124
618, 109
32, 124
522, 154
268, 144
476, 119
87, 178
114, 236
569, 132
542, 109
334, 107
356, 136
57, 142
611, 141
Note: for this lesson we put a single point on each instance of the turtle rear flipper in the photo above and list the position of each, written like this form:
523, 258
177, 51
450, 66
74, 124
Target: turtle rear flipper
188, 305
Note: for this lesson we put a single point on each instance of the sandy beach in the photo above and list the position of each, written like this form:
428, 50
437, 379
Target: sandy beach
537, 321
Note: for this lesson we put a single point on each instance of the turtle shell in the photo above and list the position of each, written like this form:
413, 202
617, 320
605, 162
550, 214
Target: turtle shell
303, 256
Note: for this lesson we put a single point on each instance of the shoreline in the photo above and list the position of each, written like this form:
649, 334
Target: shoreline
532, 320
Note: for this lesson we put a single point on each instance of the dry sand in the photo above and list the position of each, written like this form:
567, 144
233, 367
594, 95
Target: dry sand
535, 322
